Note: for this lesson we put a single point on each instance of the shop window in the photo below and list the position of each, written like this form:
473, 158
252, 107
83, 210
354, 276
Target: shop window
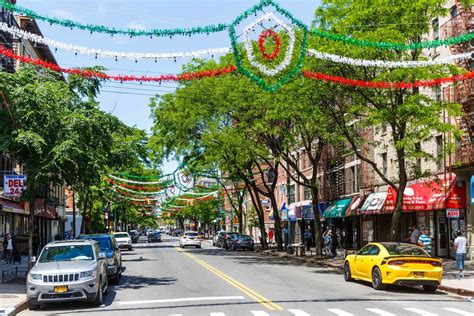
307, 193
454, 11
439, 153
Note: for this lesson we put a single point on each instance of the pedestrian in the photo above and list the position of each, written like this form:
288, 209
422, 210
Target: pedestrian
460, 247
415, 234
308, 236
270, 236
425, 240
8, 248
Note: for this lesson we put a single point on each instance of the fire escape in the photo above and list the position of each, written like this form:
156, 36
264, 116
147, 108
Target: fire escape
7, 40
462, 22
332, 165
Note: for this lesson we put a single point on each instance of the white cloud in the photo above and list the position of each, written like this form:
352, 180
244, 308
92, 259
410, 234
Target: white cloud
64, 14
136, 25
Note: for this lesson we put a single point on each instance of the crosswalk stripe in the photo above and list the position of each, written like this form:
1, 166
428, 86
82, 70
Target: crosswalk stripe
339, 312
380, 312
217, 314
260, 313
298, 312
458, 311
420, 312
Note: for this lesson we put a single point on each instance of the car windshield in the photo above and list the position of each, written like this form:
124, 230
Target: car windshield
67, 253
123, 235
191, 234
404, 250
104, 242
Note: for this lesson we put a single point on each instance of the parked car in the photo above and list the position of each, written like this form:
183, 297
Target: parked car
236, 242
177, 233
109, 248
154, 236
70, 270
190, 238
123, 240
394, 263
221, 240
134, 235
216, 236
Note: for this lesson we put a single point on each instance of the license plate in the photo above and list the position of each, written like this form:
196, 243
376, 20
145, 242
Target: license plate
60, 289
419, 274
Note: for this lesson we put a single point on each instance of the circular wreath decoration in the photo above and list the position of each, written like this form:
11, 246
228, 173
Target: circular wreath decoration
261, 44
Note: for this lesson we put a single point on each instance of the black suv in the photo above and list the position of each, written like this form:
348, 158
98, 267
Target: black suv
110, 249
223, 237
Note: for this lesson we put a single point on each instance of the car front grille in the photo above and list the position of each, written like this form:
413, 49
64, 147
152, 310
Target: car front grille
60, 278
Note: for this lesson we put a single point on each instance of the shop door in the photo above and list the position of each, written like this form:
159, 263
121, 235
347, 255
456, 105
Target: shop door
442, 234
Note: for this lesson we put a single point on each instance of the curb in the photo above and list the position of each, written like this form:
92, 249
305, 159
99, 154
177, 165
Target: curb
19, 307
312, 261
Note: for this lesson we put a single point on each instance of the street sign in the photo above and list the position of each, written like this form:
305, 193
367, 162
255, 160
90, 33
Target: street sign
453, 213
14, 185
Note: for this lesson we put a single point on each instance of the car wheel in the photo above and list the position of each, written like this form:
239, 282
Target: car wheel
377, 279
116, 278
130, 248
99, 299
233, 248
33, 305
347, 272
430, 288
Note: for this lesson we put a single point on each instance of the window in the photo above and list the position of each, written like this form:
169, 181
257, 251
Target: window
384, 164
435, 25
354, 182
437, 93
369, 250
307, 193
418, 159
454, 11
439, 153
291, 194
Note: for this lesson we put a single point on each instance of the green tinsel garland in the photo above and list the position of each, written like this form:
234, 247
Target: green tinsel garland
111, 30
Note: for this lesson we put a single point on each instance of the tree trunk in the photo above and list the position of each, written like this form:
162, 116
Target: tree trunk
276, 216
395, 227
73, 215
31, 232
261, 219
317, 221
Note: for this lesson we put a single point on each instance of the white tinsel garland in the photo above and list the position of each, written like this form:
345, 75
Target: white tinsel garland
110, 54
133, 181
387, 64
289, 49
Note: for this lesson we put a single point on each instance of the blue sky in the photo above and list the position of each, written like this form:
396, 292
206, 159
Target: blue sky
133, 109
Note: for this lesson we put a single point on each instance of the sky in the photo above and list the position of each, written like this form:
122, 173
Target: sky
129, 101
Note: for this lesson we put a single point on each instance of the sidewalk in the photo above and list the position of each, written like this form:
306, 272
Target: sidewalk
13, 291
450, 282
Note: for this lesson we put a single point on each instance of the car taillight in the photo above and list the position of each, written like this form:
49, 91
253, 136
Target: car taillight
436, 264
396, 262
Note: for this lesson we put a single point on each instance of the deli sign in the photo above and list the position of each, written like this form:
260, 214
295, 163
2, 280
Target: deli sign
14, 185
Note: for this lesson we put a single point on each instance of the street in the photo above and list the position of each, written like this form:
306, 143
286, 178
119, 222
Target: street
162, 279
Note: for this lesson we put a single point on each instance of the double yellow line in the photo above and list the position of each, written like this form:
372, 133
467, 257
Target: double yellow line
249, 292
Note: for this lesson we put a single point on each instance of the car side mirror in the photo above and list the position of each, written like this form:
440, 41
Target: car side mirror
102, 256
33, 259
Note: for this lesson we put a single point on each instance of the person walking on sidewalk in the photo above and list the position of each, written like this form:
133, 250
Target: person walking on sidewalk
425, 240
460, 247
415, 234
308, 236
8, 248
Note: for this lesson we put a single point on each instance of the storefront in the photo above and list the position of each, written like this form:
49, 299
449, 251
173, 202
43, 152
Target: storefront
437, 205
14, 221
45, 214
372, 218
341, 217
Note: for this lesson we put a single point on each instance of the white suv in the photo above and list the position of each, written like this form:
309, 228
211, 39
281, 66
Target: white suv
68, 271
190, 238
123, 240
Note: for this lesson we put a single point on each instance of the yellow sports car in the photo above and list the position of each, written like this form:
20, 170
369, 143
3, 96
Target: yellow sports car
394, 263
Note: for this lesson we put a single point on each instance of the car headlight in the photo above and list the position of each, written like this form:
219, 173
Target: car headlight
110, 261
36, 277
88, 274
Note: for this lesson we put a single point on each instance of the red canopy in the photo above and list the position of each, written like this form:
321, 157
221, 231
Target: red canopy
431, 195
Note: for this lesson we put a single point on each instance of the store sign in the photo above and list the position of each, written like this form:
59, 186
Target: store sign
453, 213
14, 185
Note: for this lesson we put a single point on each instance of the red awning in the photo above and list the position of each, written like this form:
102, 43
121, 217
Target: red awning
42, 209
428, 196
12, 206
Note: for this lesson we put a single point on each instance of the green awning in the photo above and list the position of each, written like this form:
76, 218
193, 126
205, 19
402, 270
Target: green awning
338, 209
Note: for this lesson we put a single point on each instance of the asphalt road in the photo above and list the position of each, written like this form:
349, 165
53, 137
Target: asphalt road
161, 279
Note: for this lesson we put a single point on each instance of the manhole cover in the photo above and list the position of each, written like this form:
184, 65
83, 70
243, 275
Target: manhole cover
7, 296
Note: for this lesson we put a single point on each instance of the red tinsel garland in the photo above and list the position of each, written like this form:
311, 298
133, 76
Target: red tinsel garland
261, 41
385, 84
95, 74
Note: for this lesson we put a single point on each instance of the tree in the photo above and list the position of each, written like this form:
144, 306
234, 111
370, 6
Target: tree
412, 117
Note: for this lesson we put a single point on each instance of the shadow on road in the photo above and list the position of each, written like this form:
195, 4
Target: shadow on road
69, 307
138, 282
